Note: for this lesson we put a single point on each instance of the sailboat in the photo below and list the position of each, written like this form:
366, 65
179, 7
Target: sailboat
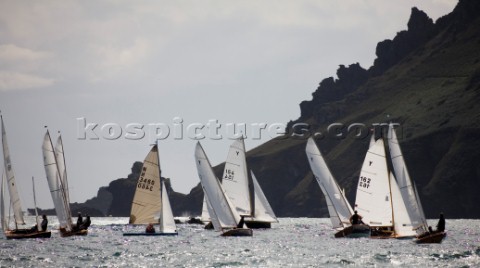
338, 207
8, 178
223, 214
378, 198
150, 203
54, 162
409, 193
249, 201
205, 217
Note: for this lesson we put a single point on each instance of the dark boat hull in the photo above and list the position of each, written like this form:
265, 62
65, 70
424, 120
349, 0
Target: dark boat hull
150, 234
354, 231
238, 232
209, 226
258, 224
64, 233
26, 233
434, 238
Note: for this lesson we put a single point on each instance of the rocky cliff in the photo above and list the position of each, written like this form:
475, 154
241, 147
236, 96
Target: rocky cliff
427, 79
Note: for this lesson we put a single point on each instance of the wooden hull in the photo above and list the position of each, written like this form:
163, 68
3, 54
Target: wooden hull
258, 224
238, 232
26, 233
64, 233
434, 238
354, 231
150, 234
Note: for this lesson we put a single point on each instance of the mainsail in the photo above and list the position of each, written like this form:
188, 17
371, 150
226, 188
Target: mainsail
338, 206
12, 185
373, 200
235, 178
224, 212
147, 202
57, 189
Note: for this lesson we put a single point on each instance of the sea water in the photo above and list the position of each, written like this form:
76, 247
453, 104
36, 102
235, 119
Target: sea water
293, 242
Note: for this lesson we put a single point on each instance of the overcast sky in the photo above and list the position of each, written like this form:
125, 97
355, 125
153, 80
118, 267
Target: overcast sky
117, 63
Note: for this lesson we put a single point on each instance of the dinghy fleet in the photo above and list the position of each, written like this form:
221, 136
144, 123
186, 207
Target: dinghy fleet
387, 203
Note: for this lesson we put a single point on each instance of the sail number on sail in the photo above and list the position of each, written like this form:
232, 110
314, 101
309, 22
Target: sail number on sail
229, 174
143, 183
364, 182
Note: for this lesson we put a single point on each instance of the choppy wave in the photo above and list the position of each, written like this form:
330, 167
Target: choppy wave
291, 243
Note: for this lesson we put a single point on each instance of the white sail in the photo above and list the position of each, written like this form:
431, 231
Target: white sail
12, 185
338, 207
37, 220
372, 140
205, 214
405, 184
3, 219
235, 178
373, 200
167, 221
62, 208
214, 219
62, 169
402, 223
263, 210
147, 203
224, 211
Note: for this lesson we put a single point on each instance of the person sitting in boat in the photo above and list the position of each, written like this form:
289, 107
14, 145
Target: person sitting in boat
356, 219
441, 223
79, 220
242, 221
86, 224
150, 229
43, 224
